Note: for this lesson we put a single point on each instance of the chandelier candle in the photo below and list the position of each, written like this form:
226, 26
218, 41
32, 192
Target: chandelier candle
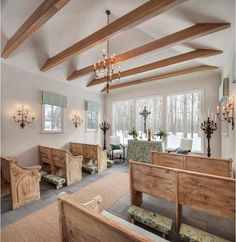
104, 126
105, 67
208, 127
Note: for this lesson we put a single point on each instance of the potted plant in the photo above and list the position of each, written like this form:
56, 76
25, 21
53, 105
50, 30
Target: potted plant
134, 133
162, 134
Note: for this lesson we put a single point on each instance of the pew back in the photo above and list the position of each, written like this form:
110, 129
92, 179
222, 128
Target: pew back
61, 163
214, 166
78, 223
90, 151
209, 193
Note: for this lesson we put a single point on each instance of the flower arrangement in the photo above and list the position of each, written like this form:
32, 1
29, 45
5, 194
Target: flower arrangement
134, 133
162, 134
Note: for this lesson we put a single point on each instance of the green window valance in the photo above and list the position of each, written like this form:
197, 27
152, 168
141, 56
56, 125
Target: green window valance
91, 106
54, 99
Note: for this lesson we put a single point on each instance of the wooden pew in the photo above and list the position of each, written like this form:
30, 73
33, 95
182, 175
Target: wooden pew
209, 193
77, 222
21, 182
61, 163
90, 151
202, 164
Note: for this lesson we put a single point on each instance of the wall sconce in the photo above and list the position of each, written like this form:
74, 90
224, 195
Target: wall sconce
22, 117
227, 113
77, 120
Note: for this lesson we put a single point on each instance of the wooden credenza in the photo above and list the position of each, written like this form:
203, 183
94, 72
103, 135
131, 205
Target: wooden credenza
139, 150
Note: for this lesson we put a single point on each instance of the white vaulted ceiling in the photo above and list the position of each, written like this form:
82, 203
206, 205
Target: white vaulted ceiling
80, 18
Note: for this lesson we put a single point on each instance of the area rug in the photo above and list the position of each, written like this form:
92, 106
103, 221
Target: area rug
43, 226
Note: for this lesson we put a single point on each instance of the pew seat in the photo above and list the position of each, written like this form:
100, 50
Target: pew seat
189, 233
151, 219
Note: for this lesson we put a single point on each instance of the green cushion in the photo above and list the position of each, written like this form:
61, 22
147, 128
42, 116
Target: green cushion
133, 227
110, 163
182, 151
191, 234
43, 173
151, 219
54, 179
90, 169
116, 147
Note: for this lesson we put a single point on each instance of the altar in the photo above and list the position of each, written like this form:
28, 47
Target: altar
139, 150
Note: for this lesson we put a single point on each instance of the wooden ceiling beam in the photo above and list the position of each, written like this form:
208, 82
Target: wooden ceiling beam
193, 32
163, 76
138, 15
162, 63
40, 16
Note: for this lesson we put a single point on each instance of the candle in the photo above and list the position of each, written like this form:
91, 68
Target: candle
215, 118
217, 109
208, 113
212, 116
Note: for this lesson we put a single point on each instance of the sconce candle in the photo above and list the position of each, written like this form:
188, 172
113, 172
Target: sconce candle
77, 120
227, 113
22, 117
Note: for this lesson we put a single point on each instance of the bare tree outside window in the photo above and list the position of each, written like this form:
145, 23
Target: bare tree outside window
52, 119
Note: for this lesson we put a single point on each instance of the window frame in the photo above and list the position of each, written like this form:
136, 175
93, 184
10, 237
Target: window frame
86, 122
43, 121
164, 103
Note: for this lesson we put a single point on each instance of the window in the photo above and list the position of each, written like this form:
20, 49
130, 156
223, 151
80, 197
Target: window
183, 119
155, 119
123, 118
91, 121
52, 118
177, 114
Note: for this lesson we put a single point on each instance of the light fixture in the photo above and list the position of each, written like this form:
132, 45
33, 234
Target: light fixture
105, 68
104, 126
227, 113
77, 120
22, 117
209, 127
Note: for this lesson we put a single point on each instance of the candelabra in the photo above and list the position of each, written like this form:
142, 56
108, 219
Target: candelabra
227, 113
104, 126
77, 120
22, 117
208, 127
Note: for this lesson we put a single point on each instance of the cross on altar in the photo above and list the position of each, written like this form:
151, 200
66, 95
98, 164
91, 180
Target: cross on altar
145, 113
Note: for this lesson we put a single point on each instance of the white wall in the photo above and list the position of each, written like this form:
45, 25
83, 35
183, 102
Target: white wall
21, 87
209, 82
228, 143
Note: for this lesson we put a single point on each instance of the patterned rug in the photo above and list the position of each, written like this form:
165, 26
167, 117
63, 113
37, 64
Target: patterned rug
43, 226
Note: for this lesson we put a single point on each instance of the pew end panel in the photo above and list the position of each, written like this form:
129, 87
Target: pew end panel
73, 168
24, 182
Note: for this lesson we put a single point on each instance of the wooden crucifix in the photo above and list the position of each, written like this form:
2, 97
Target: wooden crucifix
145, 113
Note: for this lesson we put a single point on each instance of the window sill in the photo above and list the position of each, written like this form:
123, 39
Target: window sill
52, 132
